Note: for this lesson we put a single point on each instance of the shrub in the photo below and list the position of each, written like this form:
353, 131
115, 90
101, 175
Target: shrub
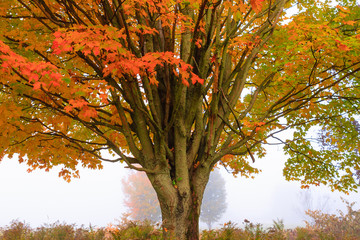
345, 226
277, 231
17, 230
55, 231
251, 231
229, 231
128, 229
330, 226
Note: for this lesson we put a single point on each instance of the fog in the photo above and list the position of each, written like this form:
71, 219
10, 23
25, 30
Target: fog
269, 197
42, 197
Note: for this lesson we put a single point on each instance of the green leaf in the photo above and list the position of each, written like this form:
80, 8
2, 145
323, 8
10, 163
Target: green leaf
67, 80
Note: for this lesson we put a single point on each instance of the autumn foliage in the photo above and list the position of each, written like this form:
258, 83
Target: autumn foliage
174, 87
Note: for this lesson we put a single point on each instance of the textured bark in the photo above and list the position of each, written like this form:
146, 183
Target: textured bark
181, 212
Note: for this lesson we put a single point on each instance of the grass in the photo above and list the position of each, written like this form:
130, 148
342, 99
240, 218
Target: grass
345, 226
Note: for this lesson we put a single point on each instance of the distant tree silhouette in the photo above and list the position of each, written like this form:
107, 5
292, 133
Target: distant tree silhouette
214, 201
309, 201
141, 199
142, 202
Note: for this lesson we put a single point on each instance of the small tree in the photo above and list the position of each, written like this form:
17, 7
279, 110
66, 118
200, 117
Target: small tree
140, 198
214, 201
142, 202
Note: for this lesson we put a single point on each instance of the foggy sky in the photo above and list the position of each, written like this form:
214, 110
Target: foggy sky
42, 197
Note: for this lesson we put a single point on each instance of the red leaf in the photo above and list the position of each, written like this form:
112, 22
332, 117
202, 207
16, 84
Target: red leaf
342, 46
213, 59
90, 113
37, 85
256, 5
78, 103
195, 78
57, 34
55, 83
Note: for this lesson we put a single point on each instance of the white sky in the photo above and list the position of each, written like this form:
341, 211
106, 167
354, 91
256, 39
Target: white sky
42, 197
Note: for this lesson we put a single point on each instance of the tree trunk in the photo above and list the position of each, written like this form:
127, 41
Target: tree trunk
180, 224
180, 208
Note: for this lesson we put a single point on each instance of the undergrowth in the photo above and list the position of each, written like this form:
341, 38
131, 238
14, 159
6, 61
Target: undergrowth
344, 226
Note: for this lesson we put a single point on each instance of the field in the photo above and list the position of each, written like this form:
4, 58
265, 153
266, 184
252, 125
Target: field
344, 226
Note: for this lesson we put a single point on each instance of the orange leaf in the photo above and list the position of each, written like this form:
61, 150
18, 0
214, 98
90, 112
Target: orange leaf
38, 85
342, 46
256, 5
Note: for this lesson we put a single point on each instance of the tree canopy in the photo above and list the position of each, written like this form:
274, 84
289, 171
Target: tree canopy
174, 87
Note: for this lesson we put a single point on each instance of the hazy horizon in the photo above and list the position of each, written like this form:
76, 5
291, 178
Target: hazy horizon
42, 197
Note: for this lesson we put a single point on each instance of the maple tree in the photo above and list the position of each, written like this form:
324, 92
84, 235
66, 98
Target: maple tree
142, 203
174, 87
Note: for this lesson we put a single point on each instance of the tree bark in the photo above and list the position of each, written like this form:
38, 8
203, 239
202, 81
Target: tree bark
180, 212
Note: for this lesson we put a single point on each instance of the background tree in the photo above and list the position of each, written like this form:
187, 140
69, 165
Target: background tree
140, 198
310, 201
177, 86
214, 201
142, 203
